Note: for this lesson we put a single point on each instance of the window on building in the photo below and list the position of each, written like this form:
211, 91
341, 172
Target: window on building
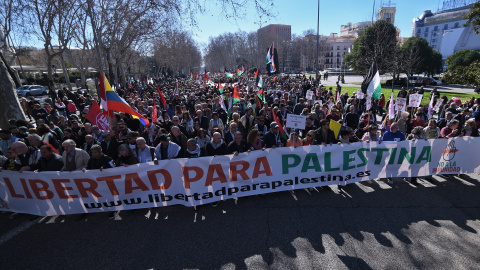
434, 40
338, 54
457, 25
425, 35
435, 28
344, 48
445, 27
419, 31
338, 47
426, 29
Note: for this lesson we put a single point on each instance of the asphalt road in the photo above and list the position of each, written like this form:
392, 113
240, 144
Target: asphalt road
373, 225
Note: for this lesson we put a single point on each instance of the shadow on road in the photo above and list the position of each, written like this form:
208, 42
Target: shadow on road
370, 225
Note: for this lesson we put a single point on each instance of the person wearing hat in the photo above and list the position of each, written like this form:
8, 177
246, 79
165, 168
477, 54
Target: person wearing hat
272, 139
39, 113
166, 149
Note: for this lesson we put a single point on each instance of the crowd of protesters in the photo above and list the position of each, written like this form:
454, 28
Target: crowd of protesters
193, 122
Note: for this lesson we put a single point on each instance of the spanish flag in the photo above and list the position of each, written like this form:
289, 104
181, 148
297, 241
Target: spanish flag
116, 103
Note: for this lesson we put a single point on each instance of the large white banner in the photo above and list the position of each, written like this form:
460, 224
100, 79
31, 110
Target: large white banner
204, 180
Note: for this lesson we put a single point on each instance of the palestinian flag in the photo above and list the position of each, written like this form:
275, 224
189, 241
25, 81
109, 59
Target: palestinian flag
239, 72
270, 59
260, 96
260, 82
257, 74
228, 75
191, 76
280, 126
234, 99
371, 85
220, 87
222, 103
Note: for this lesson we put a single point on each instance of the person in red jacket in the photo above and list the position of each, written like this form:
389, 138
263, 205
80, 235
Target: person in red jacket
381, 104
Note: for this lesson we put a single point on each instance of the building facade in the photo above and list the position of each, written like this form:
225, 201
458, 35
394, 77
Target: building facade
333, 51
445, 30
280, 35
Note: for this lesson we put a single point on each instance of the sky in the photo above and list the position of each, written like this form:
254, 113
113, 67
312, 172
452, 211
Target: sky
302, 15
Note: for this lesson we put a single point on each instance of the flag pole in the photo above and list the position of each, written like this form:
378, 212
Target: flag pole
95, 40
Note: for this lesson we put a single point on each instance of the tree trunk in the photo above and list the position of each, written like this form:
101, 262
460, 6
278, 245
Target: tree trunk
83, 77
51, 83
13, 74
65, 73
11, 108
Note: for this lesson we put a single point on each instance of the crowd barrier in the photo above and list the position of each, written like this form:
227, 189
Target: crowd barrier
205, 180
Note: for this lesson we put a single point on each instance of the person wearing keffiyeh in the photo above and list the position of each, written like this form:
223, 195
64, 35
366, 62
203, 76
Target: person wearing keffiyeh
194, 150
167, 149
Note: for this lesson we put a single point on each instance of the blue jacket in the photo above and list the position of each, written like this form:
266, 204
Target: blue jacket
390, 136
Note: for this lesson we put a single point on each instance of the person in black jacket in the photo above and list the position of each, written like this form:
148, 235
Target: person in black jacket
238, 145
324, 135
50, 161
194, 150
99, 160
125, 156
203, 120
216, 146
230, 133
109, 145
273, 139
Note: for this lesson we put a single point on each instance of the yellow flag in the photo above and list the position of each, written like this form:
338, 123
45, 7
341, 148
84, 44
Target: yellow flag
335, 126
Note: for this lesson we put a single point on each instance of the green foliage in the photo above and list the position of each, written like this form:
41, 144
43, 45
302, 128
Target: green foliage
474, 17
462, 58
377, 41
416, 56
465, 75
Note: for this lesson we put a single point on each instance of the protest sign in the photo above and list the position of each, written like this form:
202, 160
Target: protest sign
415, 100
309, 95
296, 121
400, 104
360, 94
